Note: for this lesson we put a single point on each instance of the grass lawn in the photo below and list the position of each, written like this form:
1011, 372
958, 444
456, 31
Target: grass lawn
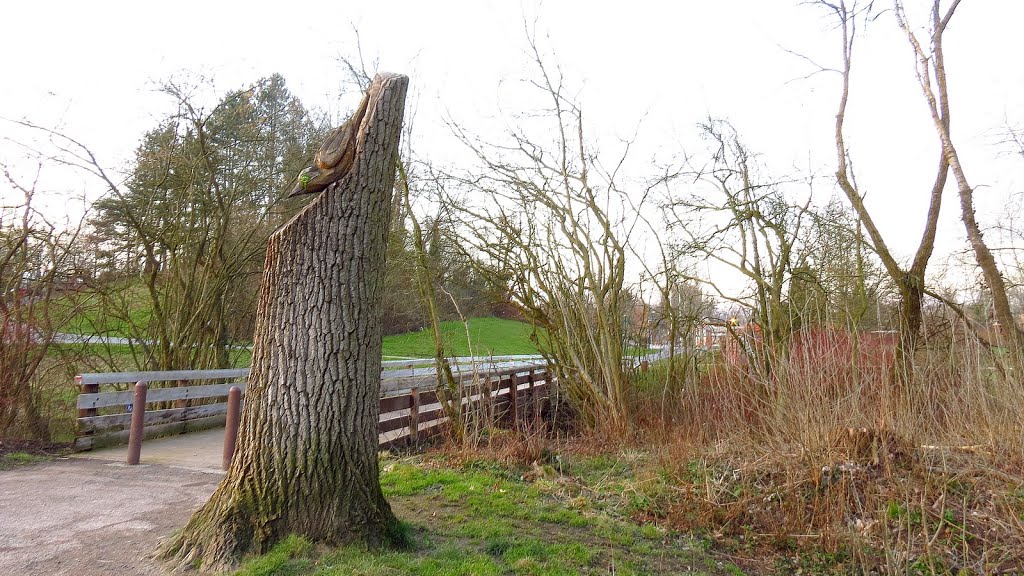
479, 517
79, 313
487, 336
16, 459
102, 357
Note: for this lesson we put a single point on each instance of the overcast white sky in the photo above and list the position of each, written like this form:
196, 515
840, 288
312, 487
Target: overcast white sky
90, 68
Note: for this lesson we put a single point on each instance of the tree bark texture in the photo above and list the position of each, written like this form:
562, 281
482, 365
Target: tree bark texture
307, 450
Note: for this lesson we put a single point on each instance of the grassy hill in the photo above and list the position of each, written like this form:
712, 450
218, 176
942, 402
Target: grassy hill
80, 313
488, 336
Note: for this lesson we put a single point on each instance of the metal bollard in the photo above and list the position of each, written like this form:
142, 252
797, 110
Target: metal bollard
138, 423
231, 425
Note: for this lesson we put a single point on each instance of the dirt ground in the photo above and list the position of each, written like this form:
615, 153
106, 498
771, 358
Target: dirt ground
91, 517
34, 447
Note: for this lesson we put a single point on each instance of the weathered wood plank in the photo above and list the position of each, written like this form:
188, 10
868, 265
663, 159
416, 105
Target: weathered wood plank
522, 378
432, 414
461, 370
396, 367
494, 383
102, 399
393, 386
393, 424
402, 438
502, 392
393, 403
82, 443
121, 436
162, 375
394, 413
153, 417
481, 360
93, 400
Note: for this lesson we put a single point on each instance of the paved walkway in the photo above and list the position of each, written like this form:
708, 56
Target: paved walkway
92, 514
201, 451
87, 516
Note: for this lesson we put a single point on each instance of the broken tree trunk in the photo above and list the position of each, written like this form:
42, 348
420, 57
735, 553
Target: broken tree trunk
306, 462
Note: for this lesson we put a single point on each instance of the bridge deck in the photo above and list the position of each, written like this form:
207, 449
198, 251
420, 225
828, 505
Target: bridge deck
196, 451
201, 451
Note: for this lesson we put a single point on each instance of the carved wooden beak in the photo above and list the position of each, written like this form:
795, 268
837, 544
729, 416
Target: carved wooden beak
336, 155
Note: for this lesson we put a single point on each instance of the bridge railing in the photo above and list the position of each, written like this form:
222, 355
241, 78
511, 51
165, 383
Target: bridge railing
188, 400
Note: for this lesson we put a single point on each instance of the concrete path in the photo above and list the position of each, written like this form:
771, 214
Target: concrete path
65, 338
62, 338
86, 516
93, 514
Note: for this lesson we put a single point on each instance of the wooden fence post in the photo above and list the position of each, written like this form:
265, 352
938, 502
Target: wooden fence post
86, 412
538, 403
182, 403
414, 416
514, 401
138, 423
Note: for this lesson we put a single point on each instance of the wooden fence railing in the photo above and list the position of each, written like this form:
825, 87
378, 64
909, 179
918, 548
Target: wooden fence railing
512, 394
191, 400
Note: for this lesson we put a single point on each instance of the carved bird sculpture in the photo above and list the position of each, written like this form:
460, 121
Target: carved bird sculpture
335, 157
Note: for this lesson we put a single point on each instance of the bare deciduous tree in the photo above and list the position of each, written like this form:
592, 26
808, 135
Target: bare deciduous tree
193, 218
746, 224
36, 259
550, 225
841, 269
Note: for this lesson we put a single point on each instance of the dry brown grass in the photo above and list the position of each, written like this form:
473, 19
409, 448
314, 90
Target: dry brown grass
827, 466
827, 456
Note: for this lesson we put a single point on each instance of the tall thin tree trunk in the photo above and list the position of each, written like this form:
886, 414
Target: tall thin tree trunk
449, 392
307, 452
931, 76
986, 261
909, 281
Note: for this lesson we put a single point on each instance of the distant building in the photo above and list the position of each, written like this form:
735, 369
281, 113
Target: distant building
710, 337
